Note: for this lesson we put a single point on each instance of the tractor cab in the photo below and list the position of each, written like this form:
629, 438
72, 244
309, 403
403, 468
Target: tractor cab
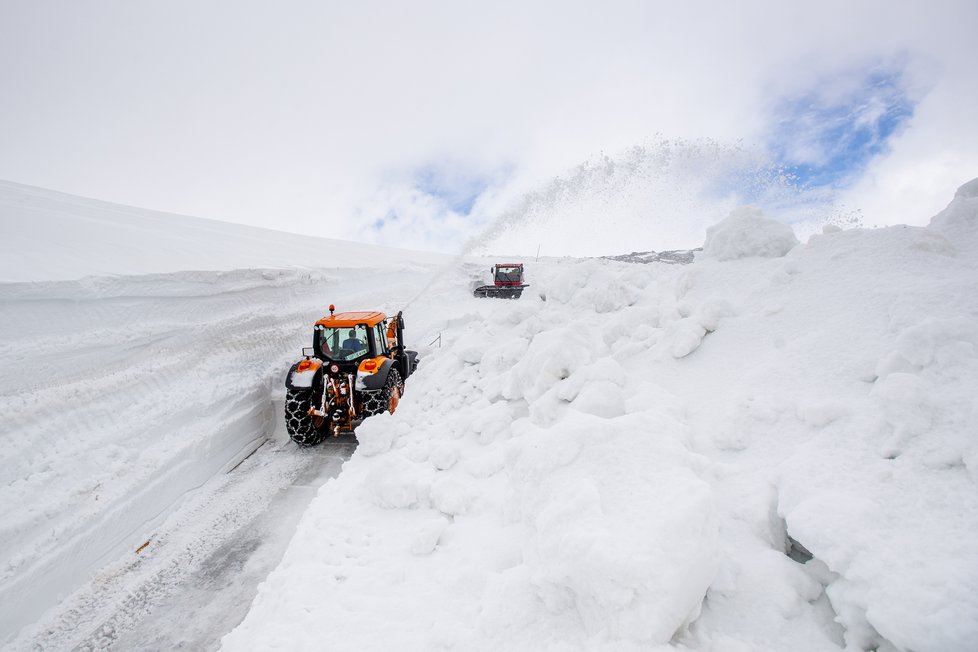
348, 338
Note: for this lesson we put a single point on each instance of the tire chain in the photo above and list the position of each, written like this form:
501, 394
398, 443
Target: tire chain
297, 420
373, 402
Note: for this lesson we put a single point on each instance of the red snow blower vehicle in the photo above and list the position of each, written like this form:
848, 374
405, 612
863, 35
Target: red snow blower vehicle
507, 282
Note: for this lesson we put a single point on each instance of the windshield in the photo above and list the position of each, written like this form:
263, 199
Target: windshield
341, 344
508, 274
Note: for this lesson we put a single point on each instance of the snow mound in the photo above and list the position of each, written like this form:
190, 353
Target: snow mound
545, 494
745, 233
777, 454
959, 221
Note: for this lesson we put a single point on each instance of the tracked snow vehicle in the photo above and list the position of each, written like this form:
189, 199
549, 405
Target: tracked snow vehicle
507, 282
355, 368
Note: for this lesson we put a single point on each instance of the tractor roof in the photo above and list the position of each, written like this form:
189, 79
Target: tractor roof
348, 319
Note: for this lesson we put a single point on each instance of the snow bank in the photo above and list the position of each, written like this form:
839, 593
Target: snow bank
52, 236
117, 406
577, 470
120, 395
528, 493
746, 232
859, 406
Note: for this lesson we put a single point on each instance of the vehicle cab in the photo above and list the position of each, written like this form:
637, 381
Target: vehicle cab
505, 275
347, 339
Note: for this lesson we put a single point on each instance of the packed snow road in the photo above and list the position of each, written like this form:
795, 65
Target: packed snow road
197, 572
125, 403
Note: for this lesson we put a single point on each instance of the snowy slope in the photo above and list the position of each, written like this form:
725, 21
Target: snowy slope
629, 457
753, 452
51, 236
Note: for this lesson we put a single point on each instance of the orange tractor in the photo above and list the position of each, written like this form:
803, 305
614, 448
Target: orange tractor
355, 368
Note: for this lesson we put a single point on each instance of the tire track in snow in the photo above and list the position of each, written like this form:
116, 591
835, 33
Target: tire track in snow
183, 398
200, 570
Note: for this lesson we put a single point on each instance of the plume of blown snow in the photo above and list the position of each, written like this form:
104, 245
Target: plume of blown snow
656, 196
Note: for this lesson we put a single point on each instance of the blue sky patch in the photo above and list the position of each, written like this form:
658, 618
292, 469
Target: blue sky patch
825, 138
381, 222
458, 190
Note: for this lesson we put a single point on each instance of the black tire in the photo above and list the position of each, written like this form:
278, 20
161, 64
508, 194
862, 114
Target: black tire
393, 389
380, 400
298, 423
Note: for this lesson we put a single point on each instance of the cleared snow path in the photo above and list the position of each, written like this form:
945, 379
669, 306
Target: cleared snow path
121, 395
200, 569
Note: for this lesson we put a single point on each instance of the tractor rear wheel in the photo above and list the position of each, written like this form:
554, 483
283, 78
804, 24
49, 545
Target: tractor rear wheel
298, 421
392, 391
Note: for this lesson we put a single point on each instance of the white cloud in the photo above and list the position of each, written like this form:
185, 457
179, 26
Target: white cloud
305, 115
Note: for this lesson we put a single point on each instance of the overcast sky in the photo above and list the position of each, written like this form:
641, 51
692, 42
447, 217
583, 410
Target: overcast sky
418, 123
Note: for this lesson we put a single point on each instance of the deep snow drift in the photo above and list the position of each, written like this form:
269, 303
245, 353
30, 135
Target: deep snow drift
52, 236
629, 457
626, 457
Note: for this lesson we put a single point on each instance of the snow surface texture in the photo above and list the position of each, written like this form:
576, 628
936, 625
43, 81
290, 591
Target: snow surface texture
580, 468
629, 457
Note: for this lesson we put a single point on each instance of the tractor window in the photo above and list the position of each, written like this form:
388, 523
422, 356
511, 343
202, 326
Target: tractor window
380, 337
390, 329
341, 344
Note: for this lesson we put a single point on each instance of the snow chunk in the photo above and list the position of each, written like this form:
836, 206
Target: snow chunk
451, 496
378, 434
959, 221
427, 535
395, 483
633, 551
552, 356
745, 233
685, 336
712, 311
